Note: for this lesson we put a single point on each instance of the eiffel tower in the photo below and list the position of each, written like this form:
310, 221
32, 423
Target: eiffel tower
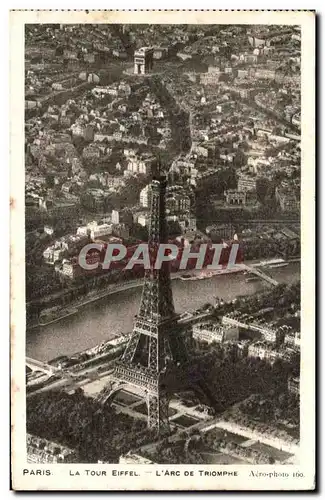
155, 356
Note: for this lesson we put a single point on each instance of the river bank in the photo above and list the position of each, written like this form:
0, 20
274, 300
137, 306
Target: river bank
104, 318
114, 289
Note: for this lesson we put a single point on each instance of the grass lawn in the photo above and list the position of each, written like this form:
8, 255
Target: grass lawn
221, 458
125, 398
274, 452
185, 421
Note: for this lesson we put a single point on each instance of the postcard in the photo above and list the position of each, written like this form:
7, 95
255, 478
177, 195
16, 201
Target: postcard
162, 250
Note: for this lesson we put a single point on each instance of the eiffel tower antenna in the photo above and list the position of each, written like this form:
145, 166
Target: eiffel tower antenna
157, 170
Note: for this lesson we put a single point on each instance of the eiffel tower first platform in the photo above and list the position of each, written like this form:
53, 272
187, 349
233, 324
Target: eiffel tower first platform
155, 358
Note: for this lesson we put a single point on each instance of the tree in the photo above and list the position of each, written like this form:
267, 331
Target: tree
174, 229
262, 189
139, 232
49, 178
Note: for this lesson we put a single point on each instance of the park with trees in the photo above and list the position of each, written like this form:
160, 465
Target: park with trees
79, 422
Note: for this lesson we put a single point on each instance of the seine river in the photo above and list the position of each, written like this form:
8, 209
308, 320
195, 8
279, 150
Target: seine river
103, 319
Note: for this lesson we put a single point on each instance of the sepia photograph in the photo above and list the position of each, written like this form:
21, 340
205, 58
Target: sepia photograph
163, 242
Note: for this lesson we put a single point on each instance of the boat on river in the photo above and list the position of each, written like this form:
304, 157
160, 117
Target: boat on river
47, 318
270, 262
188, 277
280, 264
252, 278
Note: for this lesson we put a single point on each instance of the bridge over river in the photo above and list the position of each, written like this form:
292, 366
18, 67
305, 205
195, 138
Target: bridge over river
40, 366
261, 274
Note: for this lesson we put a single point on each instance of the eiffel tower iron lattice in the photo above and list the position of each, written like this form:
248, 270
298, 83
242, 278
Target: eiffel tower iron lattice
156, 351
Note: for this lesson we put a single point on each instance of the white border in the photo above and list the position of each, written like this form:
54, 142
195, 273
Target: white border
307, 194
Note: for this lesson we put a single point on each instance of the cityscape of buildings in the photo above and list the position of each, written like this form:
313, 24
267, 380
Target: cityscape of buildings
133, 131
